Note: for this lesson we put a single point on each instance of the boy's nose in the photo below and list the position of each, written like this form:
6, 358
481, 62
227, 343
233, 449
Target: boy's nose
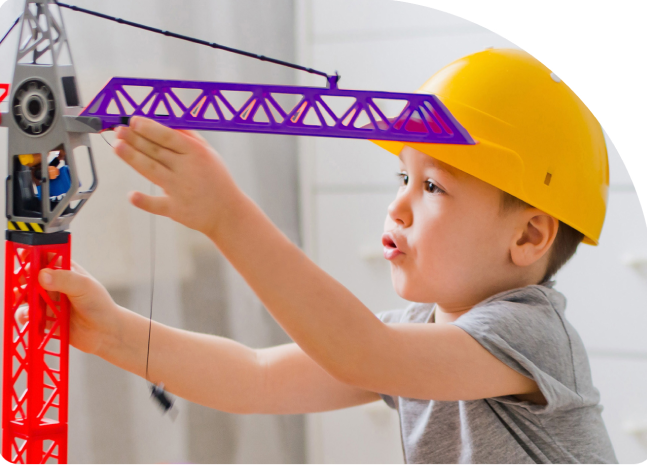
400, 210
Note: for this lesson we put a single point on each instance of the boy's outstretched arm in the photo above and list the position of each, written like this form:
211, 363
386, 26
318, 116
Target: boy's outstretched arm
326, 320
205, 369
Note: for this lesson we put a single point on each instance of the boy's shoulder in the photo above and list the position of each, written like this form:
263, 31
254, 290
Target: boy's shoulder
539, 295
531, 317
526, 329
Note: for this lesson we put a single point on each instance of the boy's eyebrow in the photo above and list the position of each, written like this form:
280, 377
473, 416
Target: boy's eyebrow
443, 167
439, 165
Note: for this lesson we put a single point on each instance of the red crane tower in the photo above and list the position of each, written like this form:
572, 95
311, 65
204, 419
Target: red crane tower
35, 370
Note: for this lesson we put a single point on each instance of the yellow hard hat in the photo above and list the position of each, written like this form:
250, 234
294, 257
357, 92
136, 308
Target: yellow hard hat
535, 139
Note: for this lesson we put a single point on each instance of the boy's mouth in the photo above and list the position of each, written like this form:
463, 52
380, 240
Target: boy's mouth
391, 250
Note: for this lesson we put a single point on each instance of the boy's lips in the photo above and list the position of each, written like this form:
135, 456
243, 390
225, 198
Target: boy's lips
391, 250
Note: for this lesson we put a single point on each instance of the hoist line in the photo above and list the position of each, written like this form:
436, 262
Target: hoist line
198, 41
10, 29
152, 275
152, 272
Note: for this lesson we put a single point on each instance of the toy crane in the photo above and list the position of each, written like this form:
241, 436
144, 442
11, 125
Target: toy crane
47, 125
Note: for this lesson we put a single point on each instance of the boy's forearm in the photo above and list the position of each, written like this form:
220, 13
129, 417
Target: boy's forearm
325, 319
205, 369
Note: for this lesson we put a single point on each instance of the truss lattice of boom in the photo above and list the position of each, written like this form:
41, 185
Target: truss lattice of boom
278, 109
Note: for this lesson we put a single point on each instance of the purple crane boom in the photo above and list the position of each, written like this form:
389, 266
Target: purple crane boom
276, 109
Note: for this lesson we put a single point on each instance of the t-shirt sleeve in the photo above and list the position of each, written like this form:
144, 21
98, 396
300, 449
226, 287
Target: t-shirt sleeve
391, 317
525, 332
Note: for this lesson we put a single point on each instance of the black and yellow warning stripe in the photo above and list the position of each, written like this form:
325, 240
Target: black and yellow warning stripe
22, 226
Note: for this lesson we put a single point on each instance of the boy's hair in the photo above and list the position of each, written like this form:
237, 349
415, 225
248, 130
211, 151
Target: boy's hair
566, 240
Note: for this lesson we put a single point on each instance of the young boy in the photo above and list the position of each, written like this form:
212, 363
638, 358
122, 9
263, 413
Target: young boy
495, 375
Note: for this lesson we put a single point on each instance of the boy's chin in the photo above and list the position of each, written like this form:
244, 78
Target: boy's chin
406, 290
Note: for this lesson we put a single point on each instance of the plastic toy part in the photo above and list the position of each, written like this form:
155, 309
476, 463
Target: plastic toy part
42, 119
35, 377
158, 393
4, 91
165, 402
293, 110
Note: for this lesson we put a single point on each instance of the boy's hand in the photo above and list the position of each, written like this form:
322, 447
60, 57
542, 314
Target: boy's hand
196, 183
93, 313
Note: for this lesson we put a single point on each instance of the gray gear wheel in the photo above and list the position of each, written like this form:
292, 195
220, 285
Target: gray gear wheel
34, 107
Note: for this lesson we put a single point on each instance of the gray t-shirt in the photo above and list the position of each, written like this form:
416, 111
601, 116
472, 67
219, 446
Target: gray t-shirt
525, 328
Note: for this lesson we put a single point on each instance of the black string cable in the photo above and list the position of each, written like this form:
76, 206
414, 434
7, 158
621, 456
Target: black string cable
10, 29
152, 275
152, 272
329, 78
104, 138
157, 391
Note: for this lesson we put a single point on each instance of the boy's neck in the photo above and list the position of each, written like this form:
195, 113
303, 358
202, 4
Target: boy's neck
444, 314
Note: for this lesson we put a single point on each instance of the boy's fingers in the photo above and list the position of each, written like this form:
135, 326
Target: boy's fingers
50, 318
146, 147
22, 314
22, 279
194, 135
144, 165
65, 281
17, 292
157, 205
158, 133
59, 259
77, 268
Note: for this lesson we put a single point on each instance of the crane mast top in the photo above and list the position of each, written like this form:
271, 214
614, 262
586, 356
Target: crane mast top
43, 103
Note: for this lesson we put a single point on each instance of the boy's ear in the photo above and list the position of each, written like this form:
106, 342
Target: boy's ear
533, 238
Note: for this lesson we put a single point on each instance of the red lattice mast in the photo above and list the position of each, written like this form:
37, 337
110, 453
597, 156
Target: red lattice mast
35, 377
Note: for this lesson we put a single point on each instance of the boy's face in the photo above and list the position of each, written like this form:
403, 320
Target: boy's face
444, 236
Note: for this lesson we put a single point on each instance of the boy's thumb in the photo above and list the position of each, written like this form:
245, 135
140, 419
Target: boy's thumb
65, 281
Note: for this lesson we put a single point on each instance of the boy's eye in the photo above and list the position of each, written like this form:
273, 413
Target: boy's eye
431, 187
404, 177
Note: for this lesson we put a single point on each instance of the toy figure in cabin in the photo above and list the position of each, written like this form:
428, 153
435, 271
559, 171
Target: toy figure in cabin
59, 173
